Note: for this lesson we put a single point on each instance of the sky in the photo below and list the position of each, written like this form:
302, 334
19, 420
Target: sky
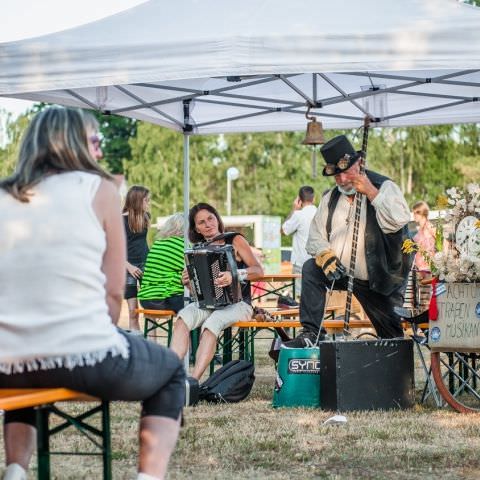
31, 18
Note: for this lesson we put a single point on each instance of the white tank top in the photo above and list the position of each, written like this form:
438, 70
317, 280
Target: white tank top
53, 309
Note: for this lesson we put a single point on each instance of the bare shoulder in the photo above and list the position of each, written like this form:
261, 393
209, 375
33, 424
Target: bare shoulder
107, 190
240, 242
107, 199
244, 252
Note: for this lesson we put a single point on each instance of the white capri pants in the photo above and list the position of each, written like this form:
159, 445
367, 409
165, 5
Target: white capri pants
215, 320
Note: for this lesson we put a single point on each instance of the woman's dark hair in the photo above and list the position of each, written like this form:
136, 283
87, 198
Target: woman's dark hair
193, 235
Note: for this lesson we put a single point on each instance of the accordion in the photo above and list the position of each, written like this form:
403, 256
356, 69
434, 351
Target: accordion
204, 263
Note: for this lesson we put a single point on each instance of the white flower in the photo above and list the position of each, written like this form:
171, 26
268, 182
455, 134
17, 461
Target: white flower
452, 265
451, 277
473, 188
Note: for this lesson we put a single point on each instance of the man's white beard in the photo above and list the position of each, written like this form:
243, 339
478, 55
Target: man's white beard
352, 191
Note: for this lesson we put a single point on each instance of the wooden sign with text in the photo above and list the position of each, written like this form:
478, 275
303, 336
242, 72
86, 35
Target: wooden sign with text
458, 326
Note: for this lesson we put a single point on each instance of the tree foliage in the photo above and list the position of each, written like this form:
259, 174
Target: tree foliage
13, 131
421, 160
272, 167
116, 132
424, 161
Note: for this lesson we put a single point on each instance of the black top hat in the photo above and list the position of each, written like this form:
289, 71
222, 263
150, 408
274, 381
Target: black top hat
339, 155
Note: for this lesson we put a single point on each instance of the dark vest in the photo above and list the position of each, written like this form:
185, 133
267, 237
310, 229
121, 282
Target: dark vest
387, 266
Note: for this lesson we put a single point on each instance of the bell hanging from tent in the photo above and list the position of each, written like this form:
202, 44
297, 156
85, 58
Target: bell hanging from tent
314, 136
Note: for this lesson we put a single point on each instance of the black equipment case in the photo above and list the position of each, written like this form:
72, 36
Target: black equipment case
367, 375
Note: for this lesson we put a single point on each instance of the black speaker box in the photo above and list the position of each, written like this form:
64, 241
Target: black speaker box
366, 375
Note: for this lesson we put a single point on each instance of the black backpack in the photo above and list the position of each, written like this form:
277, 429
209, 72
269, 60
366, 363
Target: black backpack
231, 383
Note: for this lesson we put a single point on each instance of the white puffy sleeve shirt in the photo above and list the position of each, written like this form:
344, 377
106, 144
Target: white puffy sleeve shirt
392, 214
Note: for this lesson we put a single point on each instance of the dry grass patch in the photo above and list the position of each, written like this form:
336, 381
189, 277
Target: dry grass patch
251, 440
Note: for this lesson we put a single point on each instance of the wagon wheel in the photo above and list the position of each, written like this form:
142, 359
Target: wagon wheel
457, 377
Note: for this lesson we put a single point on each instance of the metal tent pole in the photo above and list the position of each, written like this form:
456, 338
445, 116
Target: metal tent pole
186, 191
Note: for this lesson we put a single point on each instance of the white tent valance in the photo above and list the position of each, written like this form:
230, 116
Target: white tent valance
209, 66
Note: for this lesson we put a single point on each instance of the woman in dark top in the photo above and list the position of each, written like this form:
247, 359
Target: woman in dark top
136, 219
205, 224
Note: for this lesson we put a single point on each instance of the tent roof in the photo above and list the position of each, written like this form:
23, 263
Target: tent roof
256, 66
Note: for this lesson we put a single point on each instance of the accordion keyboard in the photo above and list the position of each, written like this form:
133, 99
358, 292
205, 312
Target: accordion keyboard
215, 273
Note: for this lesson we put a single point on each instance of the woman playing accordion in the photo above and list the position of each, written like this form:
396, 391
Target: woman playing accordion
204, 225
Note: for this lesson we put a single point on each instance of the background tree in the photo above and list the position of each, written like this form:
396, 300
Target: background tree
116, 133
424, 161
13, 131
469, 151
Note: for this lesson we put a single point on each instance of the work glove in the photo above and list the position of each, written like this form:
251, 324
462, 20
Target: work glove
331, 265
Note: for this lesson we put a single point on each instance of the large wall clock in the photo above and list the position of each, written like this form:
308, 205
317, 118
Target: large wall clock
466, 236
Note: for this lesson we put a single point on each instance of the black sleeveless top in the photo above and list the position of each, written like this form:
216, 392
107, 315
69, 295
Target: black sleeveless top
137, 247
245, 286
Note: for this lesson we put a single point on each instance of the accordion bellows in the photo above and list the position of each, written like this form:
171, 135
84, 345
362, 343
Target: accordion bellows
203, 266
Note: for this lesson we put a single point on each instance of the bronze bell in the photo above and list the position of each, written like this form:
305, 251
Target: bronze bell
314, 135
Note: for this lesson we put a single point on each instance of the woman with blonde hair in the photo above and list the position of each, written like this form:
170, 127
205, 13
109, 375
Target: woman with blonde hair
136, 219
62, 251
162, 287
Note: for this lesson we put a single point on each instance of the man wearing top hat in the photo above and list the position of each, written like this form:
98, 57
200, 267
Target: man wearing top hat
380, 270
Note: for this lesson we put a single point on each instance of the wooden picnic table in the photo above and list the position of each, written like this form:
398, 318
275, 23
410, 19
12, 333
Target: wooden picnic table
266, 284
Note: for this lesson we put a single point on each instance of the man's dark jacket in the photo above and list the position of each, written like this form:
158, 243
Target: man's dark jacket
387, 266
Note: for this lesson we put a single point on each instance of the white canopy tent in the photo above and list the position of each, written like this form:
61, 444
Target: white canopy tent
254, 66
203, 67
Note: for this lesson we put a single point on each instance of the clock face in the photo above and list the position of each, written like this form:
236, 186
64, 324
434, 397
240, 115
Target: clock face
465, 231
474, 243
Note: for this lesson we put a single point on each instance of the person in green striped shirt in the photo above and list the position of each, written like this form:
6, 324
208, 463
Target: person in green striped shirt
161, 285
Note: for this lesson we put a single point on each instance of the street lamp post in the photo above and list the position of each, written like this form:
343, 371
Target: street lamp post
232, 174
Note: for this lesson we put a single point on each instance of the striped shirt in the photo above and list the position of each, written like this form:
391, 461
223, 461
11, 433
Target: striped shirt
162, 277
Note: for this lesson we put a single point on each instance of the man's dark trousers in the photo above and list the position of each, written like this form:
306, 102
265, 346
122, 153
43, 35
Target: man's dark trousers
379, 308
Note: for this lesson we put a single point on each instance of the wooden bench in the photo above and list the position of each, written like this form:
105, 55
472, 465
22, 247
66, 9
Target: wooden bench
245, 336
153, 319
284, 318
44, 400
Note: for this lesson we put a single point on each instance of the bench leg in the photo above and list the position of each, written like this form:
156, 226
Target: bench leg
43, 443
252, 348
246, 351
145, 327
106, 441
44, 433
169, 332
151, 325
194, 341
241, 343
227, 345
